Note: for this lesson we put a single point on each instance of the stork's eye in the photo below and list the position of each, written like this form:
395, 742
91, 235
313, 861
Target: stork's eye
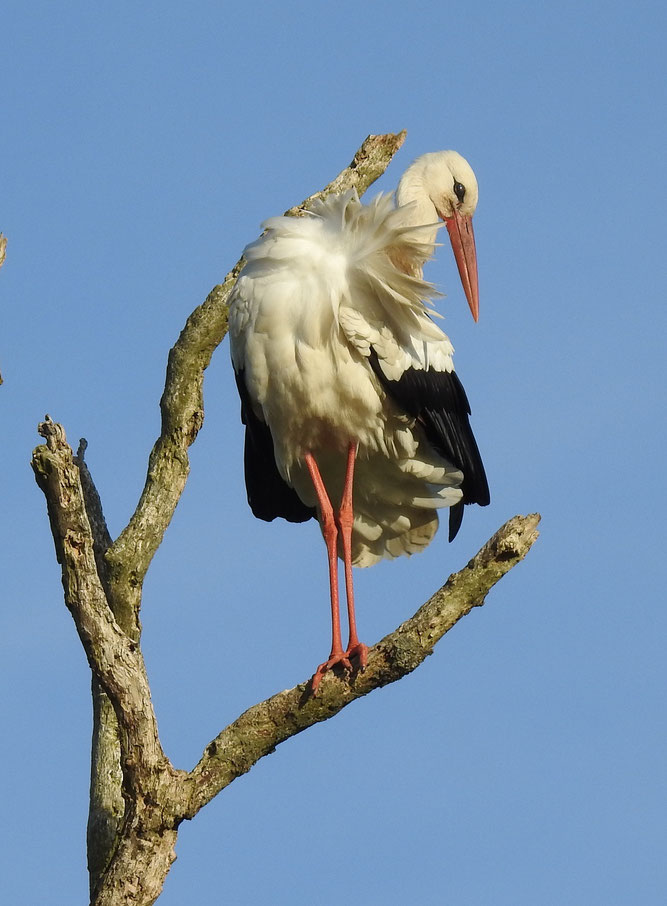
459, 191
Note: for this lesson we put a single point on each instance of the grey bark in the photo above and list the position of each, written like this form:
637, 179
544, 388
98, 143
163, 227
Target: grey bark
138, 798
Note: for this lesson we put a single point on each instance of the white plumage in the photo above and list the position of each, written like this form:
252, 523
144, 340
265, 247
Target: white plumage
335, 350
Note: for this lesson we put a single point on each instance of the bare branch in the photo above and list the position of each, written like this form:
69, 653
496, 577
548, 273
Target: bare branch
130, 869
134, 818
367, 165
114, 658
106, 809
182, 402
261, 728
137, 835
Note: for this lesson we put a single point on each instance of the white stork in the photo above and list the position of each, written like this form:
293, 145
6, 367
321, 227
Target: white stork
353, 412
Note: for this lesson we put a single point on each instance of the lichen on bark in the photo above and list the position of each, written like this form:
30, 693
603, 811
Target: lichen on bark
138, 798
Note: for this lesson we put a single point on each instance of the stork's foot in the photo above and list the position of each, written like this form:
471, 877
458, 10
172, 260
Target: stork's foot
334, 660
358, 652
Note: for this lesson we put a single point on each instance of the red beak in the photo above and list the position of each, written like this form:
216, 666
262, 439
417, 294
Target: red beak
459, 227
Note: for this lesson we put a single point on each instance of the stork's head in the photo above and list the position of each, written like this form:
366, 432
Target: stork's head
442, 184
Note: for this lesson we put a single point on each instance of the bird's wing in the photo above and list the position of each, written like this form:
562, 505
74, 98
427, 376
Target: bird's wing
412, 359
269, 495
439, 402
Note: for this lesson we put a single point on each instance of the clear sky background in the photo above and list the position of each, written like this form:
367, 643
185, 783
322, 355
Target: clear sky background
141, 145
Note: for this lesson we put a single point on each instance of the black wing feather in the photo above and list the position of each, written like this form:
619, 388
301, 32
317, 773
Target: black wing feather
269, 495
437, 399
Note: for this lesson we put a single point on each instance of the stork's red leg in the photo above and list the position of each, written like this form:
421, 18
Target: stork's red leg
345, 521
330, 532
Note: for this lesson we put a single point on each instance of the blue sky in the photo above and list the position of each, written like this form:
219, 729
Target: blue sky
141, 147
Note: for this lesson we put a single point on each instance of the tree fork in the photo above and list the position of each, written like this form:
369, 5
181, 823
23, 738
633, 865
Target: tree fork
138, 798
157, 796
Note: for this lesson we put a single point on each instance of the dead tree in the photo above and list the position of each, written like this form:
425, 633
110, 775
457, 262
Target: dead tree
138, 798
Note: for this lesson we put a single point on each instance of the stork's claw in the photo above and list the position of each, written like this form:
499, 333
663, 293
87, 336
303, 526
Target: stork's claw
358, 652
334, 660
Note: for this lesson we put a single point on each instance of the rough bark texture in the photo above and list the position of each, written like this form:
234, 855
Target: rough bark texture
261, 728
138, 798
107, 805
